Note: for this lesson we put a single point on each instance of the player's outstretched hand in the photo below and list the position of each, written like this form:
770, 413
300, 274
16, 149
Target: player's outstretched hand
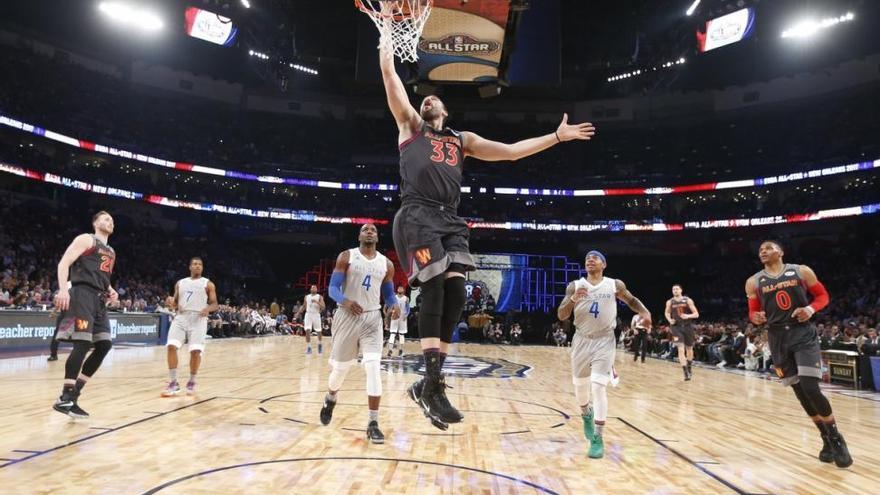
568, 132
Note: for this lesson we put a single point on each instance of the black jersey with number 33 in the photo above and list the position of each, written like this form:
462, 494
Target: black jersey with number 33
94, 266
430, 166
782, 294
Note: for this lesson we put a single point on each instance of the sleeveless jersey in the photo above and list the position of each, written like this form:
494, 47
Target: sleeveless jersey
94, 266
312, 306
781, 295
679, 306
403, 304
192, 294
596, 314
431, 165
363, 280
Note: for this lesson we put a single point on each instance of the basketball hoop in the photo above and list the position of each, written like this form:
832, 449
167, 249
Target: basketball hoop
400, 24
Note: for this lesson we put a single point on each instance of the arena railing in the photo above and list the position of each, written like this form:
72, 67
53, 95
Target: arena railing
520, 191
310, 216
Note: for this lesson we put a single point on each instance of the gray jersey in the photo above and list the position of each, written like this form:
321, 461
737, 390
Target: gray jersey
596, 314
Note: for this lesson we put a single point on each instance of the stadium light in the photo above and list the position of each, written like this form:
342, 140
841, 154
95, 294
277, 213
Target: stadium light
246, 4
305, 69
692, 8
809, 27
132, 16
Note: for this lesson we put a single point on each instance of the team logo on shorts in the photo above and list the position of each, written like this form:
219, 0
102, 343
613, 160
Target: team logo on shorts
780, 373
423, 256
463, 366
82, 325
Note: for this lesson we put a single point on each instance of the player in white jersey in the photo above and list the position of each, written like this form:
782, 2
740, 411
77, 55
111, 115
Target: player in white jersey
194, 298
398, 324
361, 275
313, 305
593, 300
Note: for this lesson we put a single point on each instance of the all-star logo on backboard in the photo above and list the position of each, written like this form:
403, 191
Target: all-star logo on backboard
463, 366
459, 44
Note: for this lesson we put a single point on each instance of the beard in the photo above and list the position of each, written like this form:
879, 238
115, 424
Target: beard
432, 113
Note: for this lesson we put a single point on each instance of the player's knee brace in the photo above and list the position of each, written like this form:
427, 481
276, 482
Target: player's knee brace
431, 310
581, 390
810, 387
102, 348
75, 359
374, 376
337, 374
454, 298
600, 400
802, 398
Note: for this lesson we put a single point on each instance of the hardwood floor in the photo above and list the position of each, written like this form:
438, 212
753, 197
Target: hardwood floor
253, 427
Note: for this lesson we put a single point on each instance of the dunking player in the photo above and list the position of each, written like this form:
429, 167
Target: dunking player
680, 310
429, 236
398, 325
313, 305
778, 298
593, 301
195, 297
359, 276
88, 263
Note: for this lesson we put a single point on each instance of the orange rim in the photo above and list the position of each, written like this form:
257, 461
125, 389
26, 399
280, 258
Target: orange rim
395, 17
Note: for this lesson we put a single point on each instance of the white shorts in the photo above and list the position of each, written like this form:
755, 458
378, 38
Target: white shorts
399, 325
188, 328
312, 321
353, 334
592, 357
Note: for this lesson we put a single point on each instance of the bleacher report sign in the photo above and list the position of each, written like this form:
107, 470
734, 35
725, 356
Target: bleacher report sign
35, 328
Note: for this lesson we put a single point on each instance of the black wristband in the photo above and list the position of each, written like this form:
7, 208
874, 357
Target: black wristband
557, 136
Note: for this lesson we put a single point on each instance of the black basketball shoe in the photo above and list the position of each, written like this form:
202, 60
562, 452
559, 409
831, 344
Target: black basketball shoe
374, 434
415, 391
327, 411
77, 412
841, 453
826, 454
435, 403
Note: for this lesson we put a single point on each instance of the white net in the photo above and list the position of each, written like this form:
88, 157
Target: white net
400, 24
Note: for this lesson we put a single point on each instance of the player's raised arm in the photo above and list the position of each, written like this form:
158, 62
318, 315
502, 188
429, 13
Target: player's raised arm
633, 302
493, 151
405, 114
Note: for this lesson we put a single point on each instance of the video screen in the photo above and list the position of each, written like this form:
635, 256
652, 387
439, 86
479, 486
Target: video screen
210, 27
726, 30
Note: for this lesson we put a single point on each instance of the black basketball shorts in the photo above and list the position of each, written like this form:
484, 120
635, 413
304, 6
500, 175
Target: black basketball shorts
86, 318
428, 239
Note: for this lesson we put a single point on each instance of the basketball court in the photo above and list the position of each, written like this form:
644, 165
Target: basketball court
253, 428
